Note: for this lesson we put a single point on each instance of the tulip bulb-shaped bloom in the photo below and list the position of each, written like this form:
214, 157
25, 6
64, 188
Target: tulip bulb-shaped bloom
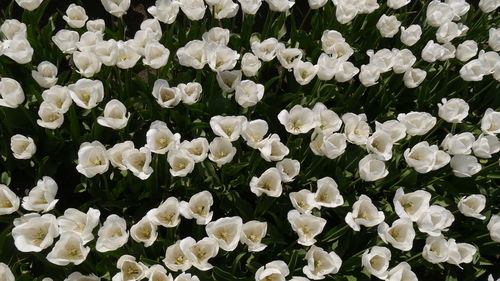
265, 50
198, 207
303, 201
33, 233
87, 93
221, 58
45, 75
472, 205
22, 147
417, 123
272, 149
42, 197
252, 233
421, 157
69, 249
159, 138
221, 151
19, 50
364, 213
328, 121
92, 159
459, 144
130, 269
376, 261
371, 168
273, 271
138, 161
167, 214
435, 220
115, 154
127, 55
79, 222
181, 163
394, 128
227, 127
228, 80
226, 231
388, 26
6, 273
460, 252
11, 93
186, 277
196, 149
224, 9
112, 235
115, 115
190, 92
494, 228
75, 16
248, 93
485, 146
77, 276
288, 168
175, 259
217, 35
381, 144
299, 120
401, 272
166, 96
29, 5
155, 55
158, 273
87, 62
327, 194
193, 54
464, 166
254, 132
250, 7
50, 116
250, 64
200, 252
59, 97
144, 231
435, 249
269, 183
9, 202
413, 77
304, 72
333, 145
453, 110
400, 235
321, 263
306, 226
289, 57
356, 128
411, 205
116, 7
490, 123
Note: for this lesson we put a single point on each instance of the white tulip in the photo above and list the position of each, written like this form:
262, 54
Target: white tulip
180, 163
88, 42
250, 6
13, 29
460, 252
165, 95
269, 183
45, 75
115, 115
248, 93
79, 222
69, 249
272, 149
186, 277
22, 147
59, 97
226, 231
411, 34
395, 129
116, 154
127, 55
327, 193
333, 145
87, 93
33, 233
116, 7
356, 128
288, 168
488, 6
138, 161
328, 40
466, 50
144, 231
252, 233
436, 249
417, 123
193, 9
401, 272
464, 166
250, 64
435, 220
221, 58
253, 132
167, 214
403, 60
397, 4
371, 168
198, 207
29, 5
175, 259
159, 138
75, 16
376, 261
400, 234
107, 52
494, 228
453, 110
321, 263
304, 72
369, 75
190, 92
197, 149
275, 271
92, 159
327, 66
432, 51
381, 144
193, 54
316, 4
303, 201
388, 26
11, 93
41, 198
494, 38
155, 55
77, 276
485, 146
439, 13
6, 273
490, 123
459, 144
50, 116
346, 71
130, 270
9, 202
474, 70
224, 9
97, 26
221, 151
472, 206
288, 57
200, 252
158, 273
112, 235
299, 120
306, 226
280, 5
19, 50
265, 50
217, 35
449, 31
411, 205
165, 10
364, 213
422, 157
413, 77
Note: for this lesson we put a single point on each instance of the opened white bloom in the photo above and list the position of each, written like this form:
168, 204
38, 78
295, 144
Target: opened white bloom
472, 206
186, 277
411, 34
265, 50
221, 58
273, 271
198, 207
388, 26
449, 31
96, 26
321, 263
193, 54
303, 201
288, 57
364, 213
248, 93
227, 127
401, 272
228, 80
454, 110
165, 95
460, 252
400, 235
459, 144
485, 146
19, 50
115, 154
158, 273
376, 261
115, 115
200, 252
328, 66
494, 228
328, 121
395, 129
328, 40
254, 131
116, 7
180, 163
107, 52
439, 13
327, 194
45, 75
369, 75
224, 9
466, 50
193, 9
474, 70
250, 6
371, 168
298, 278
175, 259
13, 29
436, 249
87, 93
11, 93
127, 54
435, 220
464, 166
155, 55
197, 149
29, 5
380, 143
356, 128
190, 92
6, 273
167, 214
217, 35
92, 159
87, 45
332, 145
346, 71
138, 161
417, 123
33, 233
272, 149
22, 147
112, 235
144, 231
411, 205
289, 169
403, 60
9, 202
79, 222
304, 72
130, 269
396, 4
69, 249
42, 197
50, 116
226, 231
306, 226
59, 97
75, 16
250, 64
252, 233
413, 77
494, 37
280, 6
87, 63
269, 183
221, 151
299, 120
490, 123
165, 10
159, 138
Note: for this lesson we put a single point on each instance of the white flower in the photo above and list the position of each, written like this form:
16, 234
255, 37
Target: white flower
22, 147
435, 220
79, 222
299, 120
19, 50
198, 207
411, 205
130, 270
250, 6
226, 231
401, 272
186, 277
321, 263
400, 235
221, 151
75, 16
107, 52
316, 4
453, 110
33, 233
388, 26
275, 271
87, 93
165, 95
158, 273
116, 7
159, 138
371, 168
155, 55
460, 252
376, 261
432, 51
227, 127
364, 213
221, 58
190, 92
403, 60
488, 6
369, 75
11, 93
327, 193
490, 123
248, 93
224, 9
464, 166
115, 115
411, 34
356, 128
92, 159
13, 29
250, 64
269, 183
306, 226
272, 149
6, 273
193, 9
485, 146
298, 278
253, 132
304, 72
197, 149
115, 154
96, 26
138, 161
413, 77
69, 249
328, 40
252, 233
474, 70
175, 259
42, 197
87, 44
180, 163
45, 75
9, 202
288, 57
165, 10
279, 6
417, 123
87, 63
466, 50
435, 249
265, 50
449, 31
472, 205
29, 5
333, 145
193, 54
144, 231
494, 228
396, 4
327, 66
200, 252
459, 144
59, 97
346, 71
288, 168
50, 116
127, 55
228, 80
424, 158
112, 235
303, 201
395, 129
494, 38
439, 13
381, 144
167, 214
